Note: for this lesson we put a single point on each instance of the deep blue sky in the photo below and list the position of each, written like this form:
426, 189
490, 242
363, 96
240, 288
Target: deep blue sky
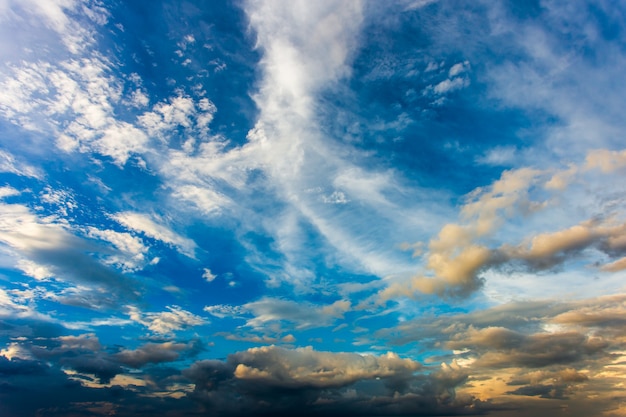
344, 207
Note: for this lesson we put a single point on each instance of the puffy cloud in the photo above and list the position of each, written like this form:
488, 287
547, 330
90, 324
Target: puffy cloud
181, 111
82, 354
132, 249
305, 367
461, 252
8, 192
208, 275
166, 322
455, 259
618, 265
547, 249
501, 348
223, 310
606, 160
31, 387
450, 85
15, 350
277, 381
551, 349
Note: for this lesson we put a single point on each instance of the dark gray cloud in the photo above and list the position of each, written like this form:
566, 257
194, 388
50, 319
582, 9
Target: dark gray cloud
156, 353
31, 388
277, 381
543, 391
553, 350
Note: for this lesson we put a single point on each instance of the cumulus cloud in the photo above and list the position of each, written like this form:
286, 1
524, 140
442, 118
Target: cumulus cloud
549, 348
82, 92
63, 384
305, 367
455, 256
166, 322
165, 117
606, 160
8, 192
132, 249
547, 249
280, 381
460, 252
208, 275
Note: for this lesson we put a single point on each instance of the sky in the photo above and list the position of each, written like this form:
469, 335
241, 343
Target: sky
289, 207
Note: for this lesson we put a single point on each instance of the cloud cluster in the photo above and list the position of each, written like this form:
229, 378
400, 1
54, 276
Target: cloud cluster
31, 387
47, 247
87, 358
460, 252
313, 213
277, 381
548, 349
166, 322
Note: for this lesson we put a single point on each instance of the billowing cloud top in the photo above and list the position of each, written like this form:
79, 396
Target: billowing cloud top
301, 207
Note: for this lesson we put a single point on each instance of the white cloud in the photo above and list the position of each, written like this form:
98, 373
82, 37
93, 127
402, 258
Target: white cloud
8, 307
165, 116
458, 68
303, 315
132, 249
499, 156
224, 310
24, 231
16, 350
204, 198
144, 224
32, 269
208, 275
139, 99
166, 322
9, 164
54, 16
81, 91
7, 191
337, 197
418, 4
449, 85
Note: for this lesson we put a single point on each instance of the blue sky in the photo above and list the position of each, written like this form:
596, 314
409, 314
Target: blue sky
344, 207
